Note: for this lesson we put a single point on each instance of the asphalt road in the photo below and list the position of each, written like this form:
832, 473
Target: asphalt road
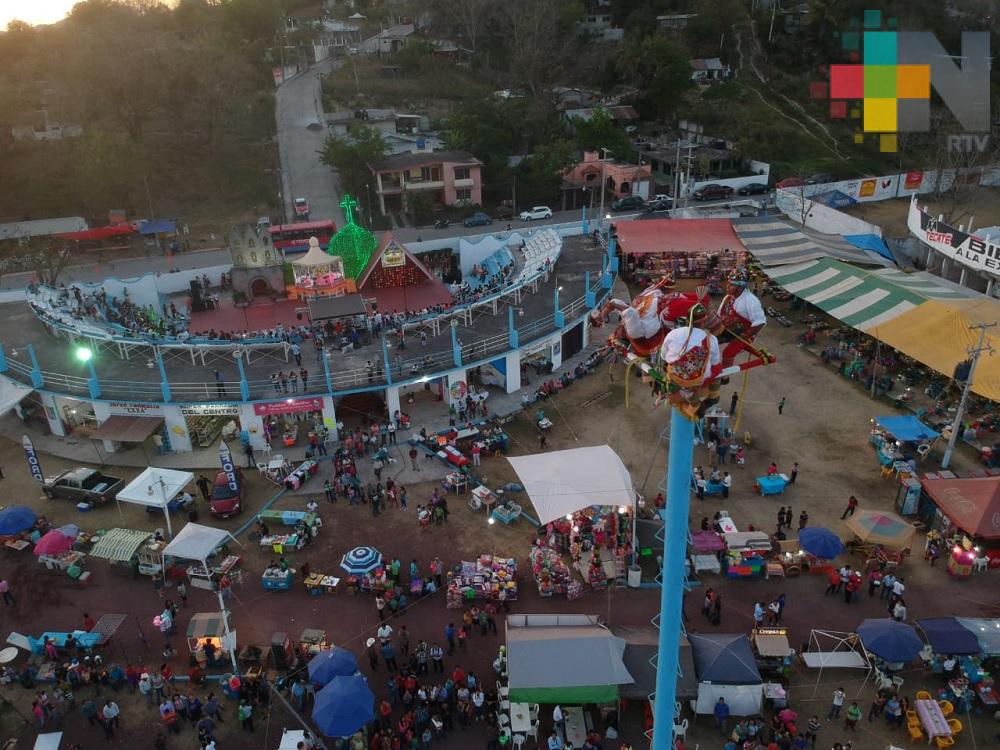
298, 105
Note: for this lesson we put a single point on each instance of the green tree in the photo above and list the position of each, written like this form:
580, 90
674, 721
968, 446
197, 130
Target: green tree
352, 156
420, 207
416, 55
539, 176
600, 132
661, 68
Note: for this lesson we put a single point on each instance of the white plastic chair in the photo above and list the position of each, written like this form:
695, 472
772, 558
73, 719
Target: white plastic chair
503, 720
533, 710
519, 740
502, 690
680, 730
980, 564
505, 705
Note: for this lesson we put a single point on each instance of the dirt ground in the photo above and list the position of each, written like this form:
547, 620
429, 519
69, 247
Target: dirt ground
982, 205
824, 428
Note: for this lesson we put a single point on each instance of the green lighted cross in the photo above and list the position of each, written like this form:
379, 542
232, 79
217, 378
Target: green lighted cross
348, 204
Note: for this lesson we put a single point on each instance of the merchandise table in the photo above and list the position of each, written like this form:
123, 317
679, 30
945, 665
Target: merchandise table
280, 582
706, 562
727, 525
771, 485
288, 517
455, 482
287, 542
62, 561
485, 496
321, 583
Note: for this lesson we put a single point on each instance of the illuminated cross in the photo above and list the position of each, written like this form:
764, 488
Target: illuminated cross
348, 204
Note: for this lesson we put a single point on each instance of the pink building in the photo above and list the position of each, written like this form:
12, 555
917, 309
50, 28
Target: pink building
450, 177
581, 185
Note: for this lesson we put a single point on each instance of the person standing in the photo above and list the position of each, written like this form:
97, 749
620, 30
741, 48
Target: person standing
721, 714
803, 520
204, 487
732, 403
793, 473
246, 715
248, 452
297, 353
559, 720
449, 636
852, 505
413, 459
781, 405
758, 614
781, 517
852, 717
380, 603
727, 483
111, 712
476, 450
220, 384
304, 377
812, 729
716, 618
836, 705
8, 598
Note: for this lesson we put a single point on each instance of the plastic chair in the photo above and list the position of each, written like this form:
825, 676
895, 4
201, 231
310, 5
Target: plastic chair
502, 690
943, 742
911, 716
946, 707
924, 695
680, 730
980, 564
886, 472
956, 725
503, 720
519, 740
916, 733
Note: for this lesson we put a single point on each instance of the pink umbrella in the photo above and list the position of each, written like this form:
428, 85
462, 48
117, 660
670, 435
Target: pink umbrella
54, 543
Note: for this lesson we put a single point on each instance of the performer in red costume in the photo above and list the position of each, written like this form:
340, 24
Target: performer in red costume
742, 317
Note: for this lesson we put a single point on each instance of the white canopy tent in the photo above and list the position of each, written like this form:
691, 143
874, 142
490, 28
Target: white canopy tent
563, 482
11, 393
155, 488
198, 543
846, 651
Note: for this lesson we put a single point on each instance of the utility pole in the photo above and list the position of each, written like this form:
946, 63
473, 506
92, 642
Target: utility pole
960, 412
604, 179
677, 174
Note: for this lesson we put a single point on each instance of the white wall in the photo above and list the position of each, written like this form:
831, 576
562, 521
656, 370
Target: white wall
822, 218
142, 291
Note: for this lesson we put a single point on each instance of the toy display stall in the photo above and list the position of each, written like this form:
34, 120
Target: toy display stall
774, 484
306, 526
204, 628
277, 580
746, 553
318, 583
301, 474
455, 481
599, 540
482, 579
205, 578
483, 497
962, 558
552, 575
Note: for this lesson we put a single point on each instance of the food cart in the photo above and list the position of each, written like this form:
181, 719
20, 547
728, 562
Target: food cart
205, 627
746, 552
280, 580
771, 649
204, 578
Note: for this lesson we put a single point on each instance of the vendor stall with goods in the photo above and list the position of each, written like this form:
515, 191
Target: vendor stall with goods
483, 578
771, 650
900, 441
746, 553
599, 541
552, 574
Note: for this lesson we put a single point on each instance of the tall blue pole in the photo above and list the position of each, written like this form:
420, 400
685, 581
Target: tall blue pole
680, 459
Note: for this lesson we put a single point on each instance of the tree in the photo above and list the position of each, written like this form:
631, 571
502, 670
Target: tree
471, 16
539, 176
539, 35
661, 68
600, 132
416, 55
46, 256
352, 156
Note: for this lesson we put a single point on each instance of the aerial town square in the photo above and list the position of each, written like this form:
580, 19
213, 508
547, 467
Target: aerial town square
462, 375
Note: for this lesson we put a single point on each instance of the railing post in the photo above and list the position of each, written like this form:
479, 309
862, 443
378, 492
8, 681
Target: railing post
164, 385
589, 297
456, 350
93, 385
3, 359
385, 359
326, 373
36, 372
557, 315
613, 254
583, 223
244, 385
512, 335
606, 280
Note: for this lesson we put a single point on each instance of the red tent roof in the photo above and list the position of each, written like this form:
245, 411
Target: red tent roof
638, 237
99, 233
972, 504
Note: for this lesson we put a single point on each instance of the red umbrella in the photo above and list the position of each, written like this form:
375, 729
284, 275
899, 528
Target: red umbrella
54, 543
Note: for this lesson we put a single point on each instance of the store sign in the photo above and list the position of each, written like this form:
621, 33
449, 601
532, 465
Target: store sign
393, 257
135, 408
33, 465
288, 406
210, 410
228, 468
953, 243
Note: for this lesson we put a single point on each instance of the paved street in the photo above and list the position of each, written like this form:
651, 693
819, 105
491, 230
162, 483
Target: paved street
298, 105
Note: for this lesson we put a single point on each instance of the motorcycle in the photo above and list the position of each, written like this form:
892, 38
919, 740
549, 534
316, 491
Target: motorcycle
441, 224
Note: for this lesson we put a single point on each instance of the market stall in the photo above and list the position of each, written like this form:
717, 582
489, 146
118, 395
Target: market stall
726, 668
552, 574
598, 539
965, 513
746, 553
482, 578
771, 650
883, 538
772, 484
901, 440
122, 546
706, 547
156, 488
206, 628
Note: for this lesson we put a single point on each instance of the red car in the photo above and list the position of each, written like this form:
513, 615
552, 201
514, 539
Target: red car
790, 182
301, 209
225, 501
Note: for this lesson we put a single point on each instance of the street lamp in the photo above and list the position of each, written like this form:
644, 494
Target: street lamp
84, 354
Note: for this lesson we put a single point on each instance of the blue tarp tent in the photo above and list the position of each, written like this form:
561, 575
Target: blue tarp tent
725, 659
834, 199
870, 242
157, 226
948, 636
908, 429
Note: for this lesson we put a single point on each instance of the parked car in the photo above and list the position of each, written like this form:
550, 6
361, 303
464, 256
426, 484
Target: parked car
82, 485
226, 502
663, 204
712, 191
301, 209
628, 203
660, 197
821, 178
536, 212
754, 188
790, 182
478, 219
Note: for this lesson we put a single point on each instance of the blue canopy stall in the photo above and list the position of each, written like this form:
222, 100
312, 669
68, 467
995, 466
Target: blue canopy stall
907, 429
948, 636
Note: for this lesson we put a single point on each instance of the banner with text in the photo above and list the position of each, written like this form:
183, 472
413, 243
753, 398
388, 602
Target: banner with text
961, 246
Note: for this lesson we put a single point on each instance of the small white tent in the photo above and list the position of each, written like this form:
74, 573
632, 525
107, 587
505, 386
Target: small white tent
197, 542
563, 482
155, 488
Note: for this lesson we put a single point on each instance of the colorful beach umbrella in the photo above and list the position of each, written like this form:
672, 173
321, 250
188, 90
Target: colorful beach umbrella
344, 706
820, 542
16, 519
336, 662
361, 560
881, 527
54, 543
890, 640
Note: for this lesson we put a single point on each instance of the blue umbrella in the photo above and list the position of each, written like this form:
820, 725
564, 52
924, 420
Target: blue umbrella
361, 560
891, 640
820, 542
17, 519
344, 706
337, 662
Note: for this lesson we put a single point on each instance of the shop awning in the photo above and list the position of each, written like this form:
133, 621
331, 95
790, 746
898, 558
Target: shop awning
948, 636
973, 504
331, 308
563, 659
126, 428
775, 242
11, 393
641, 648
677, 236
563, 482
197, 542
771, 644
909, 429
724, 658
206, 625
119, 545
99, 233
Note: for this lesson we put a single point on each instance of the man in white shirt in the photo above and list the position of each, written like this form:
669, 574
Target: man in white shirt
727, 483
838, 703
559, 720
743, 316
899, 611
898, 588
385, 633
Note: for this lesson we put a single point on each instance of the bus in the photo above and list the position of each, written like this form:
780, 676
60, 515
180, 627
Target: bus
294, 238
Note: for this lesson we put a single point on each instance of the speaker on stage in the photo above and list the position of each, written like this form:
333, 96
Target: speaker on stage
197, 301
